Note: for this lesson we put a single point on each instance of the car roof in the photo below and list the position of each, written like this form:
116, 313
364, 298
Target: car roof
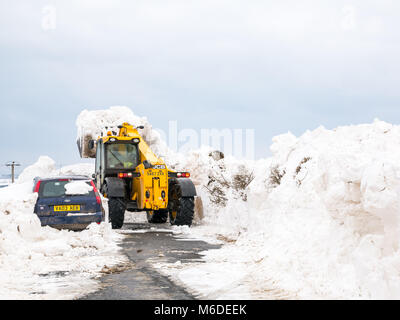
62, 178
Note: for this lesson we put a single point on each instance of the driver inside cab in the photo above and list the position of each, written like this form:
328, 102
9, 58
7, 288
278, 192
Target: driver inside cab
122, 156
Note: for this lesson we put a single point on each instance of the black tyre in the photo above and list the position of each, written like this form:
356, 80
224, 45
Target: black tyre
159, 216
181, 209
116, 211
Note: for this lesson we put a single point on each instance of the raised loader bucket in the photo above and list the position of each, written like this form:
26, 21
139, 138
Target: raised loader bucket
86, 146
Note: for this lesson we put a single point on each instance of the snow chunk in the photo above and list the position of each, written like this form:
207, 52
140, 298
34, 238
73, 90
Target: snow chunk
91, 124
77, 188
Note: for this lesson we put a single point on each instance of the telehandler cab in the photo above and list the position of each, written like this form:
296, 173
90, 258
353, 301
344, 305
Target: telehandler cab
133, 179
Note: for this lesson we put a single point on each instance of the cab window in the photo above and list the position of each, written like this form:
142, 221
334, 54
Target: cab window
122, 156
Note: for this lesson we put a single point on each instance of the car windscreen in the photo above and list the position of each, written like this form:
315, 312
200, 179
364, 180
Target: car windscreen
122, 156
56, 188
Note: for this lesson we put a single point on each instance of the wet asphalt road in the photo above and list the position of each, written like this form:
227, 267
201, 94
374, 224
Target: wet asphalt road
141, 281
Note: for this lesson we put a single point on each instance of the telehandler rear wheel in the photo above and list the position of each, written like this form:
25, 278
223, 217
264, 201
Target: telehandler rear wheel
181, 209
159, 216
116, 210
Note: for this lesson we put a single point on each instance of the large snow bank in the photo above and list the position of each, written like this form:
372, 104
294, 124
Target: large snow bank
41, 262
82, 169
321, 217
46, 167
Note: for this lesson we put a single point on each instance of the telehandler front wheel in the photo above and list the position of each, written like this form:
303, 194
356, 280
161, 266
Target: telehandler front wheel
159, 216
181, 195
181, 209
183, 213
116, 210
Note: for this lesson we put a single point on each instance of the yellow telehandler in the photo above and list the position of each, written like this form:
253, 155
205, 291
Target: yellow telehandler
134, 179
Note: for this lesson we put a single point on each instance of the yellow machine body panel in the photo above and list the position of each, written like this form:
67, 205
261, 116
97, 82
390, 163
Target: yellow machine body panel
148, 189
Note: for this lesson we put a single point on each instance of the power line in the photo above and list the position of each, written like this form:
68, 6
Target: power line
13, 164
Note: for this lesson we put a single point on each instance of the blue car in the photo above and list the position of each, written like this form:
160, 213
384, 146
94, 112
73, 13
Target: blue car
57, 209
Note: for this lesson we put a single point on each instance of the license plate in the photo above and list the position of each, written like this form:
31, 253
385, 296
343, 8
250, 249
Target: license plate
68, 208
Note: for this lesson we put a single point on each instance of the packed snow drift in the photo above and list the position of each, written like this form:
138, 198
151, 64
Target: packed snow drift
320, 219
44, 263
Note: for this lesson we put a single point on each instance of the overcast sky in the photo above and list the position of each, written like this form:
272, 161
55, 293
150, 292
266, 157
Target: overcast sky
274, 66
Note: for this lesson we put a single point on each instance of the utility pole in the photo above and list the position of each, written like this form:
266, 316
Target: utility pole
13, 164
